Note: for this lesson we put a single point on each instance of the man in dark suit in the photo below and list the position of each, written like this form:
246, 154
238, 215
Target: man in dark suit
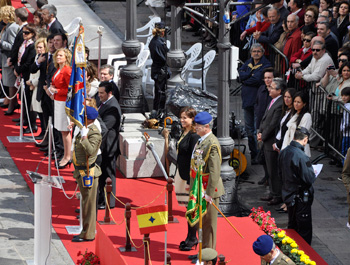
21, 16
49, 15
273, 33
41, 64
110, 113
107, 74
60, 40
267, 134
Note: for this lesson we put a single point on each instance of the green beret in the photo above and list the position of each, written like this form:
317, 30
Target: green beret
209, 254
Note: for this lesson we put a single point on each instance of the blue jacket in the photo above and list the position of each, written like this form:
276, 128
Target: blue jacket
251, 77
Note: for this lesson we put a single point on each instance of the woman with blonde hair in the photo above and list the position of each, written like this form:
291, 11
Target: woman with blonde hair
58, 92
5, 3
32, 82
8, 35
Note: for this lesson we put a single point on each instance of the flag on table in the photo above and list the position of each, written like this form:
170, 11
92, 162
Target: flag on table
77, 87
195, 200
152, 219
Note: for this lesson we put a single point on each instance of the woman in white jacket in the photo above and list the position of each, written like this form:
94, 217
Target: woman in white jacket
300, 118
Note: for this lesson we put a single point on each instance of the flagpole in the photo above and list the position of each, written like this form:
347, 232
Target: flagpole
227, 220
200, 231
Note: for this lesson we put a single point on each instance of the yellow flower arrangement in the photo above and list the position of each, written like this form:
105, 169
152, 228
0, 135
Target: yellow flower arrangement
287, 245
294, 250
294, 245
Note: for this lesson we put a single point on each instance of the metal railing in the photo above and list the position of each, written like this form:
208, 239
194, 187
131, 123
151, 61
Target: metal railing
331, 124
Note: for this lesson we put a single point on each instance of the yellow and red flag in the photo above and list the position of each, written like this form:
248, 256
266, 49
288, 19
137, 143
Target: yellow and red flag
152, 219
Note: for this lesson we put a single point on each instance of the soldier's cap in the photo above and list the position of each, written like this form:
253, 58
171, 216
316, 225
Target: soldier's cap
91, 113
160, 25
263, 245
209, 254
303, 130
203, 118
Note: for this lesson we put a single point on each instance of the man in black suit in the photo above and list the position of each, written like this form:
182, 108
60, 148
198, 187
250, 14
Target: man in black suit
21, 16
110, 113
107, 74
273, 33
60, 40
41, 64
49, 15
267, 134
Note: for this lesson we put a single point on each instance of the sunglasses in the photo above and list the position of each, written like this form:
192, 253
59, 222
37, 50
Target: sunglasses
307, 40
315, 50
26, 32
342, 60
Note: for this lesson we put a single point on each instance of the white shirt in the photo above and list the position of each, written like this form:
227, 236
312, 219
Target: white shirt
317, 68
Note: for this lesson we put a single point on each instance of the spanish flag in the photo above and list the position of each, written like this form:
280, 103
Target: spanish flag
152, 219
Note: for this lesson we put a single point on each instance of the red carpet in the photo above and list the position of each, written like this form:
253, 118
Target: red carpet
138, 192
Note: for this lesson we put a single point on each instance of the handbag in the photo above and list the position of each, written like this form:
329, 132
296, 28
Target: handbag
172, 151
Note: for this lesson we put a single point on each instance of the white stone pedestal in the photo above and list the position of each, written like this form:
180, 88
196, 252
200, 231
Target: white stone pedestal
135, 160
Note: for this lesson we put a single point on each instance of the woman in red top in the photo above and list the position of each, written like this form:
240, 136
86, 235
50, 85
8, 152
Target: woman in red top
304, 52
58, 92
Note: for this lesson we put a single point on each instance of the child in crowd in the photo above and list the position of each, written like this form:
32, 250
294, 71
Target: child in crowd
345, 125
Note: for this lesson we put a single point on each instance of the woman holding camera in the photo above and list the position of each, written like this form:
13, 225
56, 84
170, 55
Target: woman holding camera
334, 83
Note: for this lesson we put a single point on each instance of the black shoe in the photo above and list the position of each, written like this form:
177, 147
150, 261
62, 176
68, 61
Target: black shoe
24, 123
211, 45
77, 210
78, 216
189, 245
332, 162
44, 149
254, 162
27, 130
66, 164
101, 206
4, 106
274, 201
267, 198
9, 113
78, 239
41, 145
39, 137
191, 257
262, 181
16, 120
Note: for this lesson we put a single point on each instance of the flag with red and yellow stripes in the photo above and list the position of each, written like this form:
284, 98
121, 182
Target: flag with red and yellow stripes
152, 219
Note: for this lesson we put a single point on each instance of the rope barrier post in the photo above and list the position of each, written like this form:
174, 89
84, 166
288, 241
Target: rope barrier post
168, 259
20, 138
170, 188
127, 247
99, 32
146, 241
107, 218
221, 260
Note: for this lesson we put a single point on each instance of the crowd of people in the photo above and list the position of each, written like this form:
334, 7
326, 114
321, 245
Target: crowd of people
36, 57
310, 57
